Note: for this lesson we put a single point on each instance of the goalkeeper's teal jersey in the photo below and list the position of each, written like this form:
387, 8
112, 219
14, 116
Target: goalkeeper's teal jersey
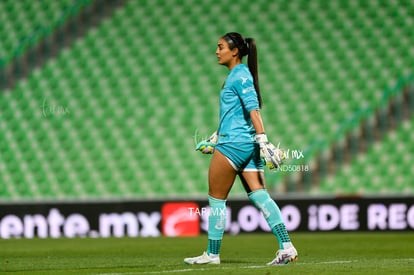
237, 98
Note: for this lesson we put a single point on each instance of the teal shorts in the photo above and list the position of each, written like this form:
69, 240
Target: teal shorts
242, 156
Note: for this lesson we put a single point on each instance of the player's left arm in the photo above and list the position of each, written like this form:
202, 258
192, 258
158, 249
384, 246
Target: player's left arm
272, 155
257, 121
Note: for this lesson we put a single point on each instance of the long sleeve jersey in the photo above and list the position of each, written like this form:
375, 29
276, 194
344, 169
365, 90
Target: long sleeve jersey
238, 98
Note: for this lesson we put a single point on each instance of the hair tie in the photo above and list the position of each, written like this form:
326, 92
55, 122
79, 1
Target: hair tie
236, 40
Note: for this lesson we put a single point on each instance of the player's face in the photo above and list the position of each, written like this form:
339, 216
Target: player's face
225, 56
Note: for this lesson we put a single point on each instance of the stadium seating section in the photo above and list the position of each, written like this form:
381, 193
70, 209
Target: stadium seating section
385, 169
117, 114
25, 22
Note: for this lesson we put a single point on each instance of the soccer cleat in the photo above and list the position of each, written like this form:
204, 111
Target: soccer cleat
284, 256
203, 259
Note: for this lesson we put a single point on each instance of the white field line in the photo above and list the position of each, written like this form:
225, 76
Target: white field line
205, 269
338, 262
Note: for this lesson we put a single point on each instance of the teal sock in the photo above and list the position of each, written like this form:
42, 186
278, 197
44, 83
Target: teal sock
213, 247
281, 234
262, 200
216, 224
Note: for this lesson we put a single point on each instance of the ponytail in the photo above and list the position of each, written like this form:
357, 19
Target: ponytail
253, 67
246, 47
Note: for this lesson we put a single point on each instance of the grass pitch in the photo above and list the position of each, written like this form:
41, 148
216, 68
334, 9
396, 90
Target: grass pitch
319, 253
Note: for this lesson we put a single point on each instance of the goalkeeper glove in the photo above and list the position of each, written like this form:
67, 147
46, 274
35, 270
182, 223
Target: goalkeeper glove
207, 146
272, 155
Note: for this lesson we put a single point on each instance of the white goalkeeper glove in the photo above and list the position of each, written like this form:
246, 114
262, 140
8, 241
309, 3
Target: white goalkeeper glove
272, 155
207, 146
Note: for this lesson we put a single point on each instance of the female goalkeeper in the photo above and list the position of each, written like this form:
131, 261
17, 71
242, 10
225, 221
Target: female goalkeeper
238, 146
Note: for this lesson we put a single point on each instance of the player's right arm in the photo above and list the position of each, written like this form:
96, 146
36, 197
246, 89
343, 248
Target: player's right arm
207, 146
